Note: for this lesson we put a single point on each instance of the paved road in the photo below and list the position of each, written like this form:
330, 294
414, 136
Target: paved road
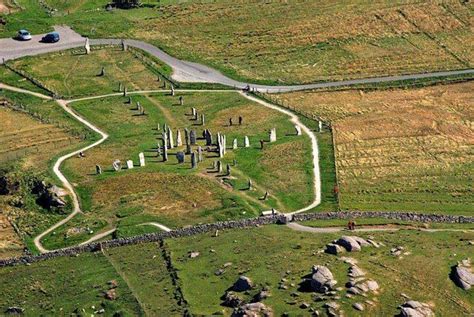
185, 71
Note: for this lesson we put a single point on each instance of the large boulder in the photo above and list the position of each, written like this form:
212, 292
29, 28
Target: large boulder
333, 248
242, 284
462, 274
322, 279
349, 243
232, 299
415, 309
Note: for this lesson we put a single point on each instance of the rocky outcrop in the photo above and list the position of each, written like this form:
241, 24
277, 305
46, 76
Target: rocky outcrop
333, 248
322, 279
463, 275
232, 299
253, 310
415, 309
47, 196
242, 284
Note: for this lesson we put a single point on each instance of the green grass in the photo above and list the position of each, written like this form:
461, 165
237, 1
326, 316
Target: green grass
11, 78
422, 275
66, 285
160, 192
147, 275
74, 74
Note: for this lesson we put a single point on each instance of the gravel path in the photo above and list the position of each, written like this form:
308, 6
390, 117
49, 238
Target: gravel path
186, 71
299, 227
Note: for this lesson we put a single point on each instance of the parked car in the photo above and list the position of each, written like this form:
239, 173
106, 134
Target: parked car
24, 35
52, 37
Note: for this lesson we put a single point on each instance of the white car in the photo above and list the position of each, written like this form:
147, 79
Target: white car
24, 35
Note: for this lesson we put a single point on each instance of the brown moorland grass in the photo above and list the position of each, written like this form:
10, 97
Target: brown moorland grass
312, 40
400, 149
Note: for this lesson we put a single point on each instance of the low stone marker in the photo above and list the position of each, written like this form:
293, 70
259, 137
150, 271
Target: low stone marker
234, 144
98, 170
298, 129
181, 101
124, 91
227, 169
117, 165
102, 71
219, 167
273, 135
208, 136
124, 45
165, 149
249, 184
193, 112
141, 158
180, 157
172, 90
320, 126
200, 159
129, 164
203, 121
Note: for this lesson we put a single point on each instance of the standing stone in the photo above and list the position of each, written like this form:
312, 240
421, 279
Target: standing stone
165, 149
165, 127
199, 154
120, 87
181, 102
158, 127
188, 148
124, 91
180, 157
172, 90
273, 135
208, 137
192, 137
202, 119
219, 167
124, 46
170, 138
186, 135
87, 46
158, 150
227, 169
298, 129
138, 106
320, 126
246, 141
250, 184
98, 170
179, 142
193, 112
230, 121
193, 160
129, 99
141, 158
117, 165
234, 144
129, 164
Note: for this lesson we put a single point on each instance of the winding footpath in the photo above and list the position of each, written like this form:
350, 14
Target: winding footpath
185, 71
373, 228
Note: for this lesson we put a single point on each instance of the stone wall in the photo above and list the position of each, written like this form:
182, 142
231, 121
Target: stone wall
235, 224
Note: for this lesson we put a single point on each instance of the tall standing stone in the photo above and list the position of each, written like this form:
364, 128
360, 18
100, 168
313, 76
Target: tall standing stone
124, 45
87, 46
246, 141
165, 149
199, 154
227, 169
124, 91
202, 119
234, 144
179, 141
224, 143
219, 166
320, 126
273, 135
120, 87
172, 90
141, 158
250, 184
170, 138
129, 164
193, 112
192, 137
193, 160
208, 137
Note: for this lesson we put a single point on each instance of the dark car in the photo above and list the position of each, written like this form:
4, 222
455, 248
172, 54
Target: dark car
52, 37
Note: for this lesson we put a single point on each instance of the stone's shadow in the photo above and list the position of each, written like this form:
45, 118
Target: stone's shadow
139, 114
305, 285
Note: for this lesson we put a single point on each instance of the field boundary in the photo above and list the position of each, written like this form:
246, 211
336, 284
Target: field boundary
31, 79
235, 224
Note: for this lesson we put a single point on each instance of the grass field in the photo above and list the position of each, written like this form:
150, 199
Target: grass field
174, 194
267, 255
400, 149
74, 74
293, 42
